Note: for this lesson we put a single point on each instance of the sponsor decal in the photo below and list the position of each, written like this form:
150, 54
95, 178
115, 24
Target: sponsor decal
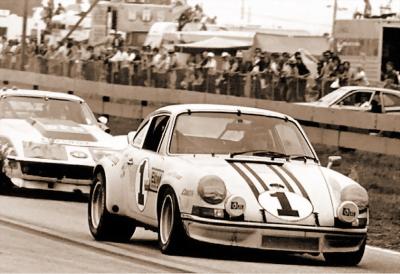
187, 192
235, 206
79, 154
156, 176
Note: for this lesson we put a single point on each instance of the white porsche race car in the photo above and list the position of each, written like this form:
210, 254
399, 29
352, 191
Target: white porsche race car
228, 175
50, 141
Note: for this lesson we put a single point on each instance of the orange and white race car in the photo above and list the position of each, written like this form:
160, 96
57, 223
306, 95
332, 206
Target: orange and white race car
232, 176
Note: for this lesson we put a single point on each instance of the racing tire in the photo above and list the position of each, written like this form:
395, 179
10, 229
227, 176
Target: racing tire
172, 237
5, 183
103, 225
345, 258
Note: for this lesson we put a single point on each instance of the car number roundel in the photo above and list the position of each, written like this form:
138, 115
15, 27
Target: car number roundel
141, 180
285, 205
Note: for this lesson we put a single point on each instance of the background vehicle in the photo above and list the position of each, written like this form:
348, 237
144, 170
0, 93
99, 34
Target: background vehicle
231, 176
49, 140
362, 99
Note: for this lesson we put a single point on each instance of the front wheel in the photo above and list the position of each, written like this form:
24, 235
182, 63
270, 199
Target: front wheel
103, 225
346, 258
171, 233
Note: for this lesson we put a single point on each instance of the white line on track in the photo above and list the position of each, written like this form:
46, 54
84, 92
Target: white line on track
388, 251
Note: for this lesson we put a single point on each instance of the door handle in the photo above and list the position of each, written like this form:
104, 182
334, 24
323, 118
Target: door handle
130, 162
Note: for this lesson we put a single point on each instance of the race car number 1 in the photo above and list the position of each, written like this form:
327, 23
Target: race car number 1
141, 179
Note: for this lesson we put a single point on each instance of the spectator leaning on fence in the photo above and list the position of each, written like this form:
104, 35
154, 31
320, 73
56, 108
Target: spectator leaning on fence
391, 76
360, 78
303, 74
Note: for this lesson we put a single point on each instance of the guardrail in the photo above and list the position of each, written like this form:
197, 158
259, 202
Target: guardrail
136, 102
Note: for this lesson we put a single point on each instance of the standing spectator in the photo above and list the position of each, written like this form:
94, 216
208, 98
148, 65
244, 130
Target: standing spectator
275, 70
3, 46
360, 78
304, 73
391, 76
238, 70
258, 68
223, 80
171, 63
155, 61
291, 74
125, 63
210, 69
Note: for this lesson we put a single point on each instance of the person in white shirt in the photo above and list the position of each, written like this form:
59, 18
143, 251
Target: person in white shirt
210, 70
360, 78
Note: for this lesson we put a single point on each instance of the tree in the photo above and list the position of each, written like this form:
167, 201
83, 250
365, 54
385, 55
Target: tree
17, 6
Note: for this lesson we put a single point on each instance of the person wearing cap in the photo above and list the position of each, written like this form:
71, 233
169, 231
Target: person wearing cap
210, 70
171, 63
304, 73
238, 71
222, 81
258, 68
290, 74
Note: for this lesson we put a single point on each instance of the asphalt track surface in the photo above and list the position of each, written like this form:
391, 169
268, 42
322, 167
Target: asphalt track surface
48, 232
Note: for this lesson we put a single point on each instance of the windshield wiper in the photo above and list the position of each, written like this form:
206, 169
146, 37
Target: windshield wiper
262, 153
302, 157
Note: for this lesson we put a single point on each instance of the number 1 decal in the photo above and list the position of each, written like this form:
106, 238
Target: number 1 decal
286, 210
141, 185
141, 180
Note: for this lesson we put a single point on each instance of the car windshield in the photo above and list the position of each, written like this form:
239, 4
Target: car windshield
20, 107
333, 96
230, 133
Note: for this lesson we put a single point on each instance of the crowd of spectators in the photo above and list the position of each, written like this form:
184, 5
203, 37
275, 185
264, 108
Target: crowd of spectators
275, 76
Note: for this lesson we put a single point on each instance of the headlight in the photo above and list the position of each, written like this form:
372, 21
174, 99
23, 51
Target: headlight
355, 194
44, 151
6, 148
212, 189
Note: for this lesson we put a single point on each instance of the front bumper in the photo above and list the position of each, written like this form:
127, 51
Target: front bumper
277, 237
49, 175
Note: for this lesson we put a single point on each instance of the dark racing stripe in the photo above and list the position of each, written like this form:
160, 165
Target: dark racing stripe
262, 183
247, 179
287, 184
297, 182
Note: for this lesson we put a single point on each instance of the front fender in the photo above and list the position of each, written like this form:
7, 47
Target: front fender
113, 174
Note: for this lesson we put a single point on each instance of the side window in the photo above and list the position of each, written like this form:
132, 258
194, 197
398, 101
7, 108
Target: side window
358, 99
155, 133
139, 138
391, 100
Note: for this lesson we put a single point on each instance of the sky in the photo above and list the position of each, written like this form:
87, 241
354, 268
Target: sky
314, 16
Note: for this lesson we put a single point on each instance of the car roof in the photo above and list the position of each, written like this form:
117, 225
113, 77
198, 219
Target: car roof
40, 94
184, 108
348, 88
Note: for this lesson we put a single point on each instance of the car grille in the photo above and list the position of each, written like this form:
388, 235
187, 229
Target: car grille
59, 171
291, 243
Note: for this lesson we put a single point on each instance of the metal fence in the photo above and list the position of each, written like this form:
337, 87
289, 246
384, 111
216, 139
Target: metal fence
265, 85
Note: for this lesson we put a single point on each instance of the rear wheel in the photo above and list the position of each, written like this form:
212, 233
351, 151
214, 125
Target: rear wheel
5, 183
171, 233
103, 225
346, 258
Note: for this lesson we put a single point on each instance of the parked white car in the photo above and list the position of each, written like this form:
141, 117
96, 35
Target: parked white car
232, 176
50, 141
360, 98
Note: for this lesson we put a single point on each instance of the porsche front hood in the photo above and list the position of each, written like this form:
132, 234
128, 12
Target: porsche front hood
285, 191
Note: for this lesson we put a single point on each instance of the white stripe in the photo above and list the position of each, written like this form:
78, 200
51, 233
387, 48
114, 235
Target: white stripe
379, 249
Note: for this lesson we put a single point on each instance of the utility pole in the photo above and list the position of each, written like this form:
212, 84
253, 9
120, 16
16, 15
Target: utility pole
23, 40
335, 8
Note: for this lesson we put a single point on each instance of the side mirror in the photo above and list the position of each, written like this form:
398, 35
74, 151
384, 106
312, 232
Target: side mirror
103, 120
334, 161
131, 136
